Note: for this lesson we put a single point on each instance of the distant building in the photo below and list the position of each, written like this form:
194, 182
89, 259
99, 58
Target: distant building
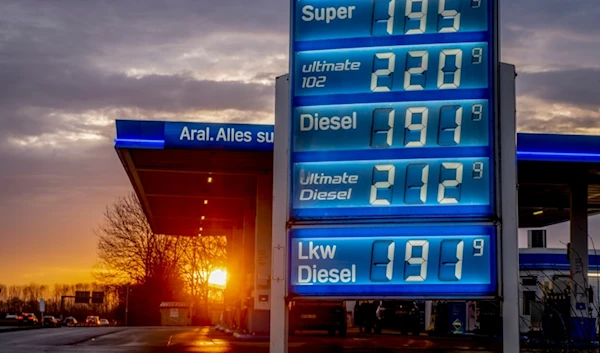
175, 314
545, 277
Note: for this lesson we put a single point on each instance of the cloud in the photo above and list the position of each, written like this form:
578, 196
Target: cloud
573, 17
538, 115
69, 68
578, 87
76, 87
539, 35
554, 45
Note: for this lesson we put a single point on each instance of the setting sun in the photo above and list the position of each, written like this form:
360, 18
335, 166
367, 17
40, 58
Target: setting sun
218, 278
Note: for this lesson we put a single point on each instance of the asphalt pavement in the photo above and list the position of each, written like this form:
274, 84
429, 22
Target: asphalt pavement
209, 340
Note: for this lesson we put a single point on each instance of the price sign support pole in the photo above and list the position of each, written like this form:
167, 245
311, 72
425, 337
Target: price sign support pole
279, 278
510, 247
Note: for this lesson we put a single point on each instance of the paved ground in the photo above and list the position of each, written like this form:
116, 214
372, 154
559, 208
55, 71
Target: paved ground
208, 340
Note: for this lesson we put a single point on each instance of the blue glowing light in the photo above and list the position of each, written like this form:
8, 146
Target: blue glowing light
317, 20
393, 108
138, 134
392, 81
140, 144
454, 66
392, 187
244, 137
402, 125
408, 261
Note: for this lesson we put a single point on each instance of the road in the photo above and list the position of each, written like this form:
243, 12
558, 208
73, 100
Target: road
204, 339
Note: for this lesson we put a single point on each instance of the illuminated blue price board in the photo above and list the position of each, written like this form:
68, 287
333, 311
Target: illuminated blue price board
407, 85
440, 261
393, 119
382, 126
392, 69
334, 19
456, 186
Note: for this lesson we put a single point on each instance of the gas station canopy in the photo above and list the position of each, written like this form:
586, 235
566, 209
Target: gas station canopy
547, 165
203, 187
189, 191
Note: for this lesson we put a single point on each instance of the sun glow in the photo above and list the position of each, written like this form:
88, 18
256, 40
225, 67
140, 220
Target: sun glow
218, 278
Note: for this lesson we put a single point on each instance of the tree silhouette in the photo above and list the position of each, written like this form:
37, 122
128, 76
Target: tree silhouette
130, 252
136, 263
203, 255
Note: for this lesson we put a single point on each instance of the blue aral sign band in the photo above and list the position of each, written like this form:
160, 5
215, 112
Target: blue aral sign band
218, 136
392, 69
450, 260
392, 187
156, 134
402, 125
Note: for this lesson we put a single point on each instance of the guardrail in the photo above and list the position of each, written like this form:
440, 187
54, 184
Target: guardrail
19, 328
4, 322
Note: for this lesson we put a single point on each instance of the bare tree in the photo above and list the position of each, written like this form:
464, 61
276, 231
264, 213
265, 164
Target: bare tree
202, 257
128, 250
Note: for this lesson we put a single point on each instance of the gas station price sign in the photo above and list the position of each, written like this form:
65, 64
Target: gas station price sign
409, 126
392, 69
316, 20
393, 109
416, 261
392, 187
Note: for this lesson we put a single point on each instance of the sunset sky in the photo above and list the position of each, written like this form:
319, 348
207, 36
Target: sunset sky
68, 69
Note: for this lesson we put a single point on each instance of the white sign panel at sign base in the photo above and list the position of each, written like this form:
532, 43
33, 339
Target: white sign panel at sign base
174, 313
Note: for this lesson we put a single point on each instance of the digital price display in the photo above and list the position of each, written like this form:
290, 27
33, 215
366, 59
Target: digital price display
334, 19
385, 126
407, 85
392, 69
449, 260
392, 187
393, 108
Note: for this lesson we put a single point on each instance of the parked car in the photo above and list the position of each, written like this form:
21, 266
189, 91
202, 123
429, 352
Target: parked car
15, 317
51, 321
29, 319
329, 316
104, 322
402, 315
92, 320
69, 321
